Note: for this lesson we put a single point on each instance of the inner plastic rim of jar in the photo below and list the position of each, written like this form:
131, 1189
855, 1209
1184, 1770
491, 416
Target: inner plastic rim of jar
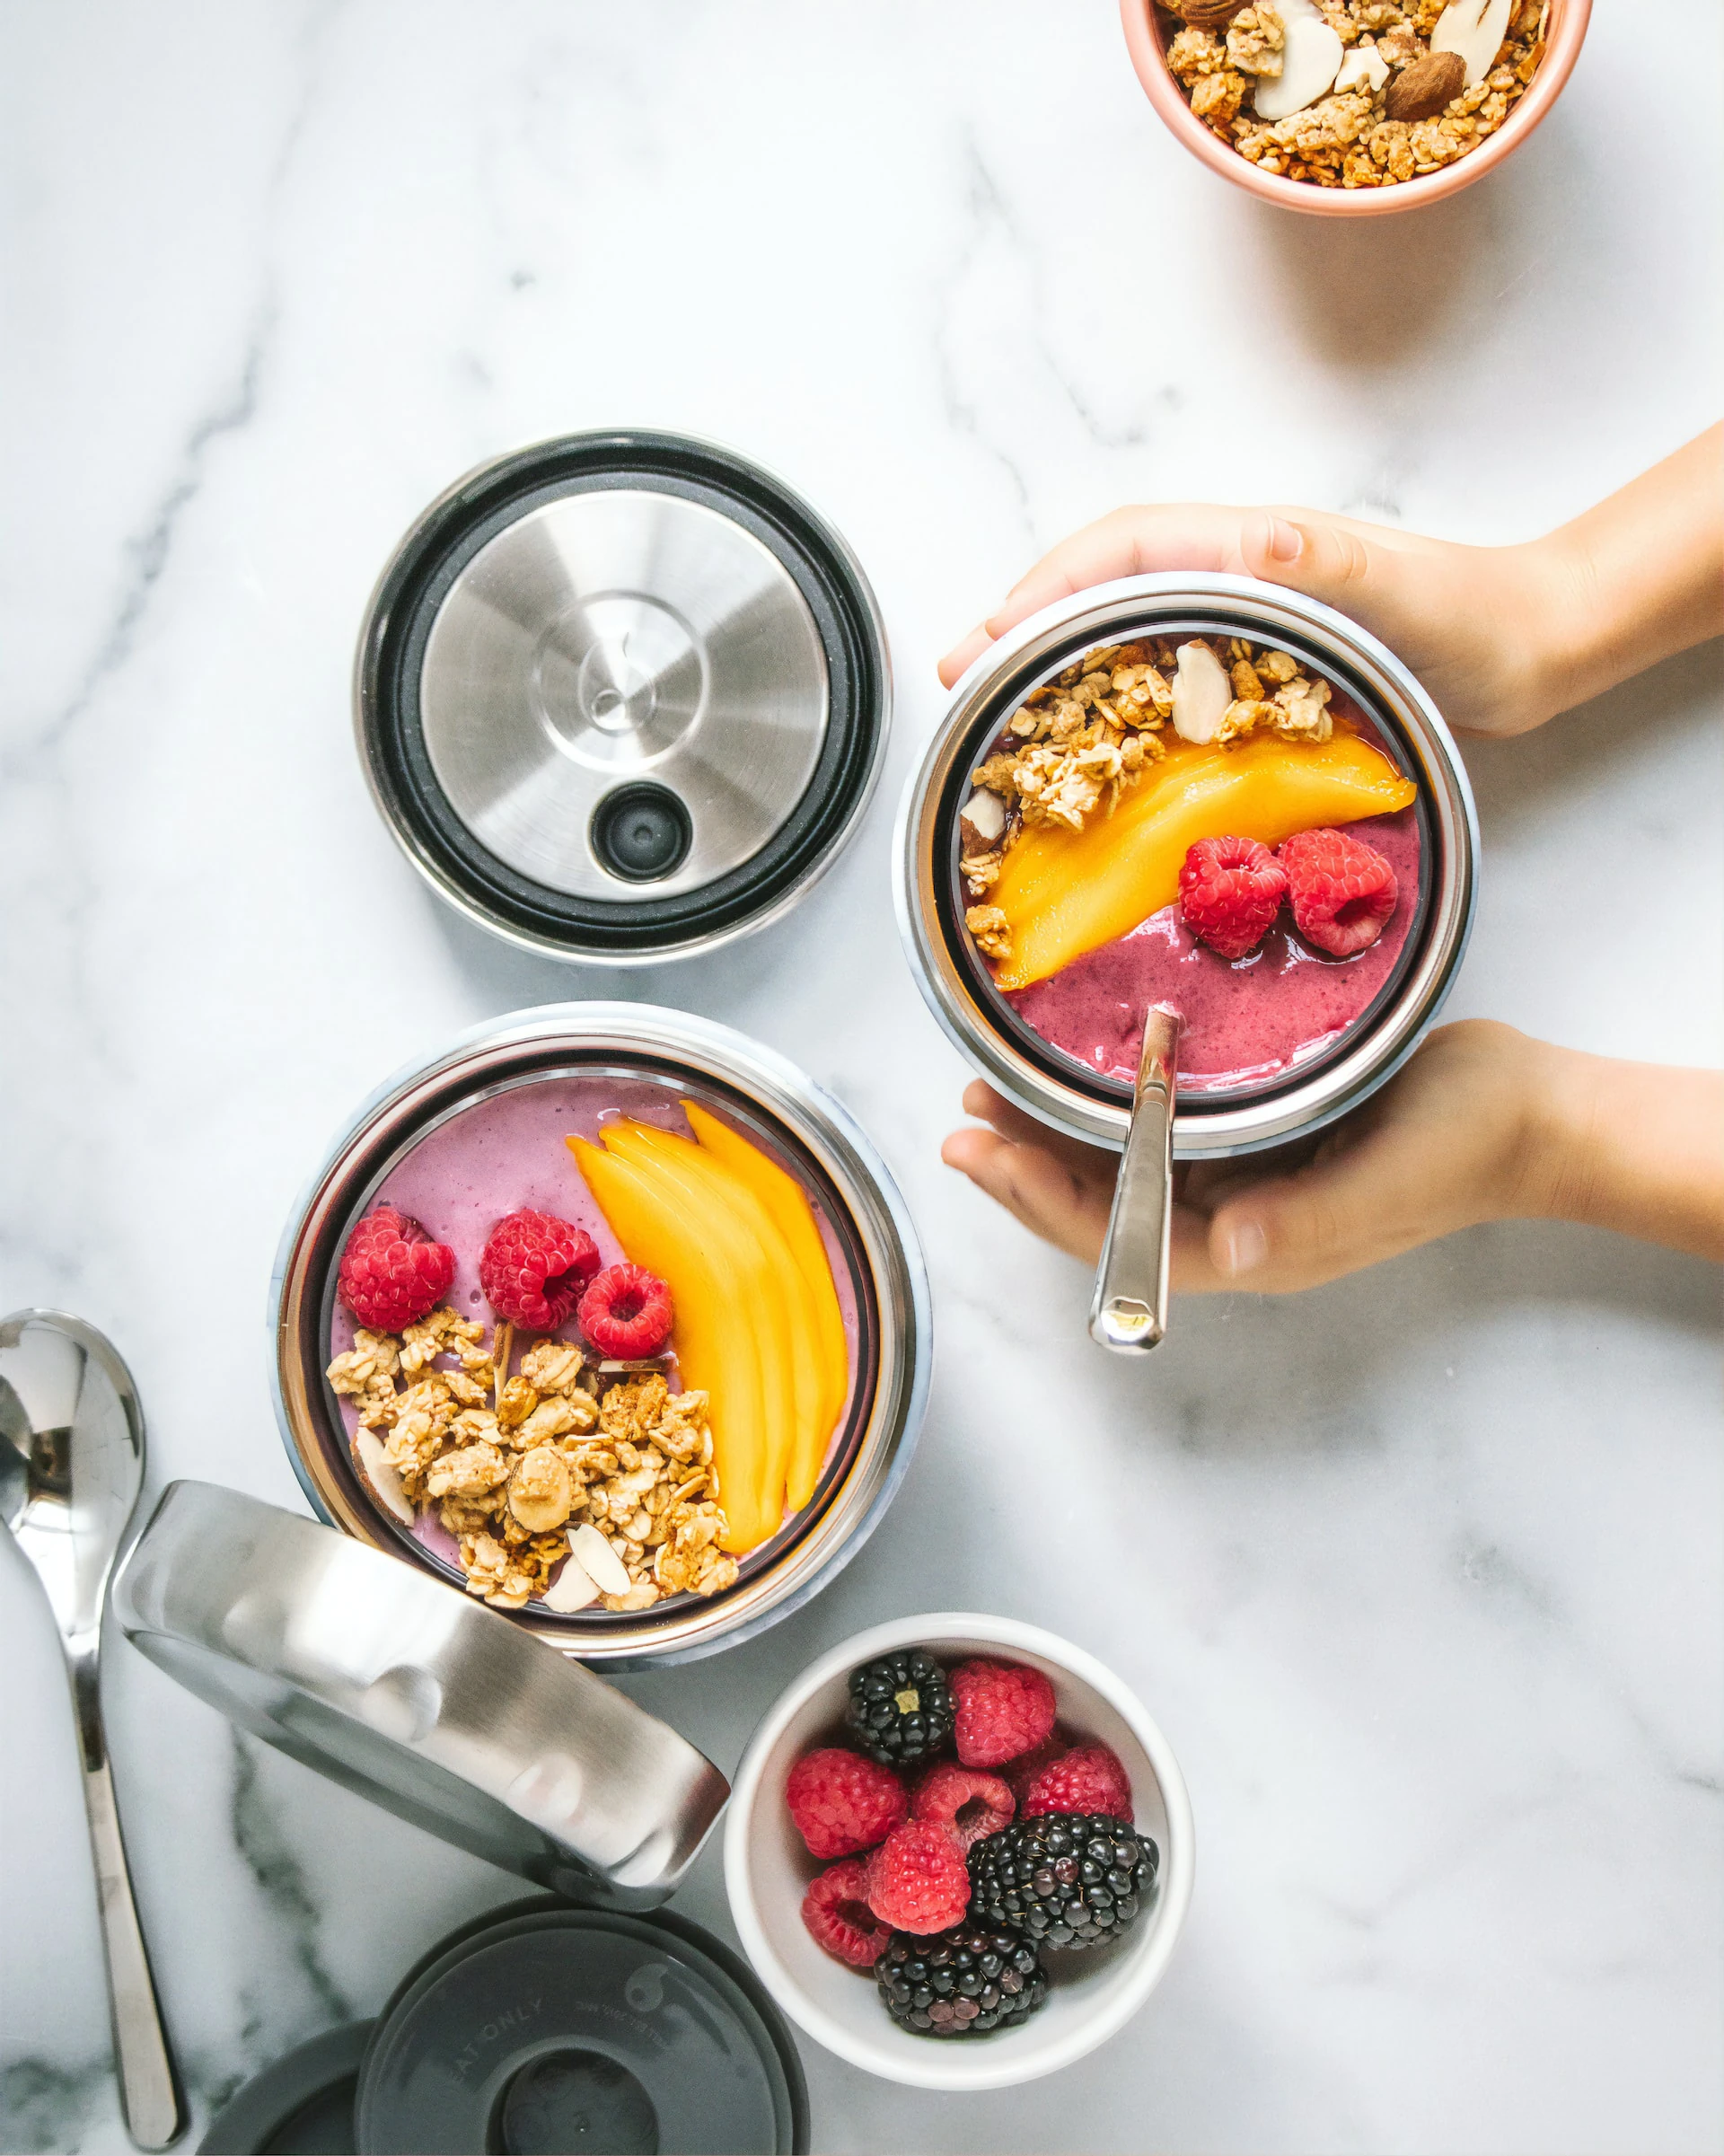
1270, 613
778, 1097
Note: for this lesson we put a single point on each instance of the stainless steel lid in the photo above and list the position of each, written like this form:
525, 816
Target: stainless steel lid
957, 988
622, 696
755, 1089
411, 1694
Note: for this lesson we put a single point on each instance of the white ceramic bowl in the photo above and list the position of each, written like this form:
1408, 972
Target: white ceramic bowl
767, 1868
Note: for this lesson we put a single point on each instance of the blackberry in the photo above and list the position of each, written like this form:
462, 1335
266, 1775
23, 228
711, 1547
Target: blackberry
901, 1708
1062, 1879
959, 1983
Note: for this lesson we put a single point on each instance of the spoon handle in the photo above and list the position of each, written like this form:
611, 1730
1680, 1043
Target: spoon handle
149, 2087
1129, 1310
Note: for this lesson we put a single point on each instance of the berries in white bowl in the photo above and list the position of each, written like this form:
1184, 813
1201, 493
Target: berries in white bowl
1014, 1891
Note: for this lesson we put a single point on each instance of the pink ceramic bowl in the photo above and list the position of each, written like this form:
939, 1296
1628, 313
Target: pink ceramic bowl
1568, 29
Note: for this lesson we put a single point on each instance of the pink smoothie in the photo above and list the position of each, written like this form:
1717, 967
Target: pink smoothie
1247, 1020
508, 1153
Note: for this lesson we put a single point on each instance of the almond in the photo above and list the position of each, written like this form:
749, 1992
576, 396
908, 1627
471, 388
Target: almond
383, 1481
981, 823
1207, 15
1202, 693
1426, 87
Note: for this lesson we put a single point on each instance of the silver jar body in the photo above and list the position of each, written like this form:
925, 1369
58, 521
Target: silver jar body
1205, 1127
629, 1042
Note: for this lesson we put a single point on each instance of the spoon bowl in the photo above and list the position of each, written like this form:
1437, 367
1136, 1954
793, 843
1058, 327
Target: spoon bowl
71, 1468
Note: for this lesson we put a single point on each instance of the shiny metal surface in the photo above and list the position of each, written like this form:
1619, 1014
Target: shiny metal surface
616, 636
416, 1697
627, 922
1129, 1310
1112, 613
628, 1037
71, 1467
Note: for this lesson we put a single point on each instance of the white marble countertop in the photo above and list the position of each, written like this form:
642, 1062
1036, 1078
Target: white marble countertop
1422, 1573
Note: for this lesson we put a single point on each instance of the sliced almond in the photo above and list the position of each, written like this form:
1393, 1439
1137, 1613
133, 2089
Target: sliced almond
1474, 29
1202, 693
382, 1479
571, 1589
1311, 58
1426, 86
600, 1561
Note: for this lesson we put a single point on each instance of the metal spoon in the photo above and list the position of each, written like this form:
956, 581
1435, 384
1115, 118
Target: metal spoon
71, 1467
1129, 1310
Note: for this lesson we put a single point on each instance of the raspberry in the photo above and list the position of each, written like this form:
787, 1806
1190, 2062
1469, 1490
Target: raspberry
1004, 1709
836, 1911
534, 1267
1229, 892
392, 1272
1087, 1779
968, 1805
627, 1312
1017, 1775
842, 1802
918, 1880
1342, 891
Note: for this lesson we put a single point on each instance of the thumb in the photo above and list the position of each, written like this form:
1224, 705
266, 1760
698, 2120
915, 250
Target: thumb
1343, 564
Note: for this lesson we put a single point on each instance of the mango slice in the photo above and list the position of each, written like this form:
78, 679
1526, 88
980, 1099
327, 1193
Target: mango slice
714, 1272
784, 1321
1064, 892
787, 1202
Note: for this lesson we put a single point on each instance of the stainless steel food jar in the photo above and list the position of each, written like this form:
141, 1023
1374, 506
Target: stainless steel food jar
622, 696
953, 980
755, 1090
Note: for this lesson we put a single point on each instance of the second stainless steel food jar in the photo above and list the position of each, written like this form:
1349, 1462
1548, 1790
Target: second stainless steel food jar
930, 917
758, 1090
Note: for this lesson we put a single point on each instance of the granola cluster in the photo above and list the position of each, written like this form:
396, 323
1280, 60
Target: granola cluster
514, 1464
1078, 743
1383, 119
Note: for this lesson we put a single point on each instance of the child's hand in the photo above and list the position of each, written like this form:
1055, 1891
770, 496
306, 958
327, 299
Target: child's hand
1502, 637
1482, 1124
1457, 615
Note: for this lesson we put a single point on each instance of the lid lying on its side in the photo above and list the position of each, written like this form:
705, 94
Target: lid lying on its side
622, 696
302, 2106
413, 1694
552, 2029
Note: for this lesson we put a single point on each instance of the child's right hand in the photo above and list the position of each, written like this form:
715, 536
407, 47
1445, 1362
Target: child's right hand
1457, 615
1502, 637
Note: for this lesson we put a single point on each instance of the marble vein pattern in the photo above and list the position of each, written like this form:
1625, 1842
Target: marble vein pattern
1422, 1574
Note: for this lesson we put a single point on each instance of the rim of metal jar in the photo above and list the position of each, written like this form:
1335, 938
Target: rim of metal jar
1089, 617
878, 1214
374, 623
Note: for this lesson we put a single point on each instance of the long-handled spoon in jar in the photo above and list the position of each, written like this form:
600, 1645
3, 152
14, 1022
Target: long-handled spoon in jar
1128, 1309
71, 1467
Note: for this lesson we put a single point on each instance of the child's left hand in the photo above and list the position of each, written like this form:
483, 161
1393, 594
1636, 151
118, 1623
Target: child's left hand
1457, 1138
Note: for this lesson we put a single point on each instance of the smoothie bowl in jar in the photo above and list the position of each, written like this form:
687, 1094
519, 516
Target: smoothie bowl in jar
1201, 797
610, 1317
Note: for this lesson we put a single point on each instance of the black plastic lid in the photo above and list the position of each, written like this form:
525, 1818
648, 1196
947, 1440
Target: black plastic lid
538, 2028
302, 2106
